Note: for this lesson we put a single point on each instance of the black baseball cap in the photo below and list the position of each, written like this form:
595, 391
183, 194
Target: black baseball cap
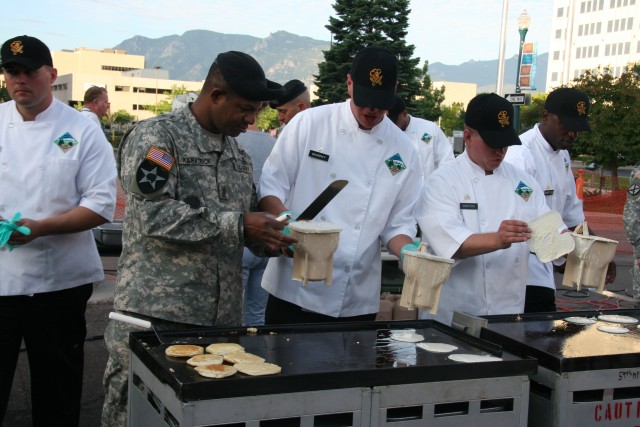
374, 73
246, 77
292, 89
27, 51
492, 116
397, 107
571, 105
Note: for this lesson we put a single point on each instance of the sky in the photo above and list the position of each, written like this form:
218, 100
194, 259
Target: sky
447, 31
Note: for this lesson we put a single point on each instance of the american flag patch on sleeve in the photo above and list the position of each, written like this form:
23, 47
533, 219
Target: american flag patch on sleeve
161, 158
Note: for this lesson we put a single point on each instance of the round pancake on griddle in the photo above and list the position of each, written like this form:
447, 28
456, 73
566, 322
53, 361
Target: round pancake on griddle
216, 371
257, 368
183, 350
241, 356
205, 359
224, 348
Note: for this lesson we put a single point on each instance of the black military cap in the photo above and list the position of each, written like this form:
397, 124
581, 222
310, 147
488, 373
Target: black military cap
27, 51
246, 77
397, 107
292, 89
374, 73
491, 115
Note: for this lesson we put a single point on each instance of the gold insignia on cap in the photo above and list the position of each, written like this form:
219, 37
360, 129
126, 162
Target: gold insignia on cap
16, 47
582, 108
503, 118
375, 75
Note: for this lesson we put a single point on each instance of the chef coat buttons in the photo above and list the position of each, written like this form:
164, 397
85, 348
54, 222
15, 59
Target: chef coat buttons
347, 269
11, 125
476, 180
357, 227
323, 218
343, 131
333, 175
39, 209
379, 141
369, 184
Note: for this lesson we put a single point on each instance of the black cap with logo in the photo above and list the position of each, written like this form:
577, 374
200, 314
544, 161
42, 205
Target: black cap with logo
246, 77
27, 51
492, 116
292, 89
571, 105
374, 73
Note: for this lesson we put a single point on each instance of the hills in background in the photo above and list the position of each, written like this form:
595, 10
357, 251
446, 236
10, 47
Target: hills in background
285, 56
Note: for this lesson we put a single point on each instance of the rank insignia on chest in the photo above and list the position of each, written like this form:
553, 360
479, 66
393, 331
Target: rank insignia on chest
524, 191
66, 142
160, 158
395, 164
426, 138
150, 177
548, 191
634, 189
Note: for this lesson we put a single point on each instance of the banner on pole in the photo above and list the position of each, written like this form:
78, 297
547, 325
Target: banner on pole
528, 65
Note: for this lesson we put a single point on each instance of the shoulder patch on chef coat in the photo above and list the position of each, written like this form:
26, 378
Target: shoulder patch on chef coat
151, 177
634, 189
66, 142
524, 191
426, 138
567, 165
395, 164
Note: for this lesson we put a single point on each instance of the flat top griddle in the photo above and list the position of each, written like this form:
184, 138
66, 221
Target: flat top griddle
563, 347
327, 356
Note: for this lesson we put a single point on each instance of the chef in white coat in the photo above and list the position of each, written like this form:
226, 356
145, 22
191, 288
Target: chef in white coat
352, 140
475, 210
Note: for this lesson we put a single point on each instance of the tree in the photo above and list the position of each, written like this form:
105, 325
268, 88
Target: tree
164, 105
531, 114
614, 118
428, 104
4, 94
452, 118
122, 117
267, 119
361, 23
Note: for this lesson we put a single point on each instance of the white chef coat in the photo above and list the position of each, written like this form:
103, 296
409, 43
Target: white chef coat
39, 180
434, 147
91, 116
552, 170
460, 200
375, 205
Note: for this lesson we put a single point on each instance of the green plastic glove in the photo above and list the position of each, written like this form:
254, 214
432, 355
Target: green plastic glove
292, 218
8, 227
409, 247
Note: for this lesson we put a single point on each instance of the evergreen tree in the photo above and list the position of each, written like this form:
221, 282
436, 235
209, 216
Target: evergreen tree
362, 23
428, 104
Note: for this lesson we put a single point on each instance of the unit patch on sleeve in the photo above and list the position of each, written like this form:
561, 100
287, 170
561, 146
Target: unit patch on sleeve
395, 164
150, 177
524, 191
634, 189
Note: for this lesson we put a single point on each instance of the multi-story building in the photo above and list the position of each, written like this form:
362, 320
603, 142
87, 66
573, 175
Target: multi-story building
131, 86
587, 34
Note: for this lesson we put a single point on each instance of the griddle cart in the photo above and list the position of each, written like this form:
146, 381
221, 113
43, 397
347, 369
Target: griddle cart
332, 375
585, 377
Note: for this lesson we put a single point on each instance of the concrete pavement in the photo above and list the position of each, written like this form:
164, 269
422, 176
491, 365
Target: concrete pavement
618, 295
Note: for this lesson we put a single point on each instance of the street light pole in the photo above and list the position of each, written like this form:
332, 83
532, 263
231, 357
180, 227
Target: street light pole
523, 26
157, 67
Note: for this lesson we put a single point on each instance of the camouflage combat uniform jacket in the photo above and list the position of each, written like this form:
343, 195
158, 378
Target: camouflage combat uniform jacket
182, 243
631, 219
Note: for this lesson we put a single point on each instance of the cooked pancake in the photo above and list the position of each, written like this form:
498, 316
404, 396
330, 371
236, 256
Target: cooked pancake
241, 356
257, 368
205, 359
224, 348
216, 371
183, 350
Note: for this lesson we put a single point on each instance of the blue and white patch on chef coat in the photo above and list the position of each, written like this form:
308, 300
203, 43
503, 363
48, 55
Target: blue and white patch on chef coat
524, 191
567, 165
395, 164
426, 138
66, 142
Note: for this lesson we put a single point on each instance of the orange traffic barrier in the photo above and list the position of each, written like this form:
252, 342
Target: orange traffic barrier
580, 185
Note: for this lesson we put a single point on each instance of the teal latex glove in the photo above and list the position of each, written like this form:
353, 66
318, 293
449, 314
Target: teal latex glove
292, 218
8, 227
409, 247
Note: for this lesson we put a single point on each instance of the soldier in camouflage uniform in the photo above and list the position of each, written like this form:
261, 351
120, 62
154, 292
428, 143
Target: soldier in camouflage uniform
631, 220
190, 201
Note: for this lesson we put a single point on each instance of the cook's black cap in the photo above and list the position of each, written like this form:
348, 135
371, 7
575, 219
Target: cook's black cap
27, 51
571, 105
374, 73
246, 77
492, 116
397, 107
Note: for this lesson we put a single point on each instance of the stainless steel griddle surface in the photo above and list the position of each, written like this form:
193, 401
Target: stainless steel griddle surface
562, 346
328, 356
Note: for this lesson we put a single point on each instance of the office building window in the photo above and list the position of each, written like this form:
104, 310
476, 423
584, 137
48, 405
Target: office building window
560, 12
554, 77
599, 28
558, 34
579, 30
627, 48
596, 51
629, 24
556, 54
610, 27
